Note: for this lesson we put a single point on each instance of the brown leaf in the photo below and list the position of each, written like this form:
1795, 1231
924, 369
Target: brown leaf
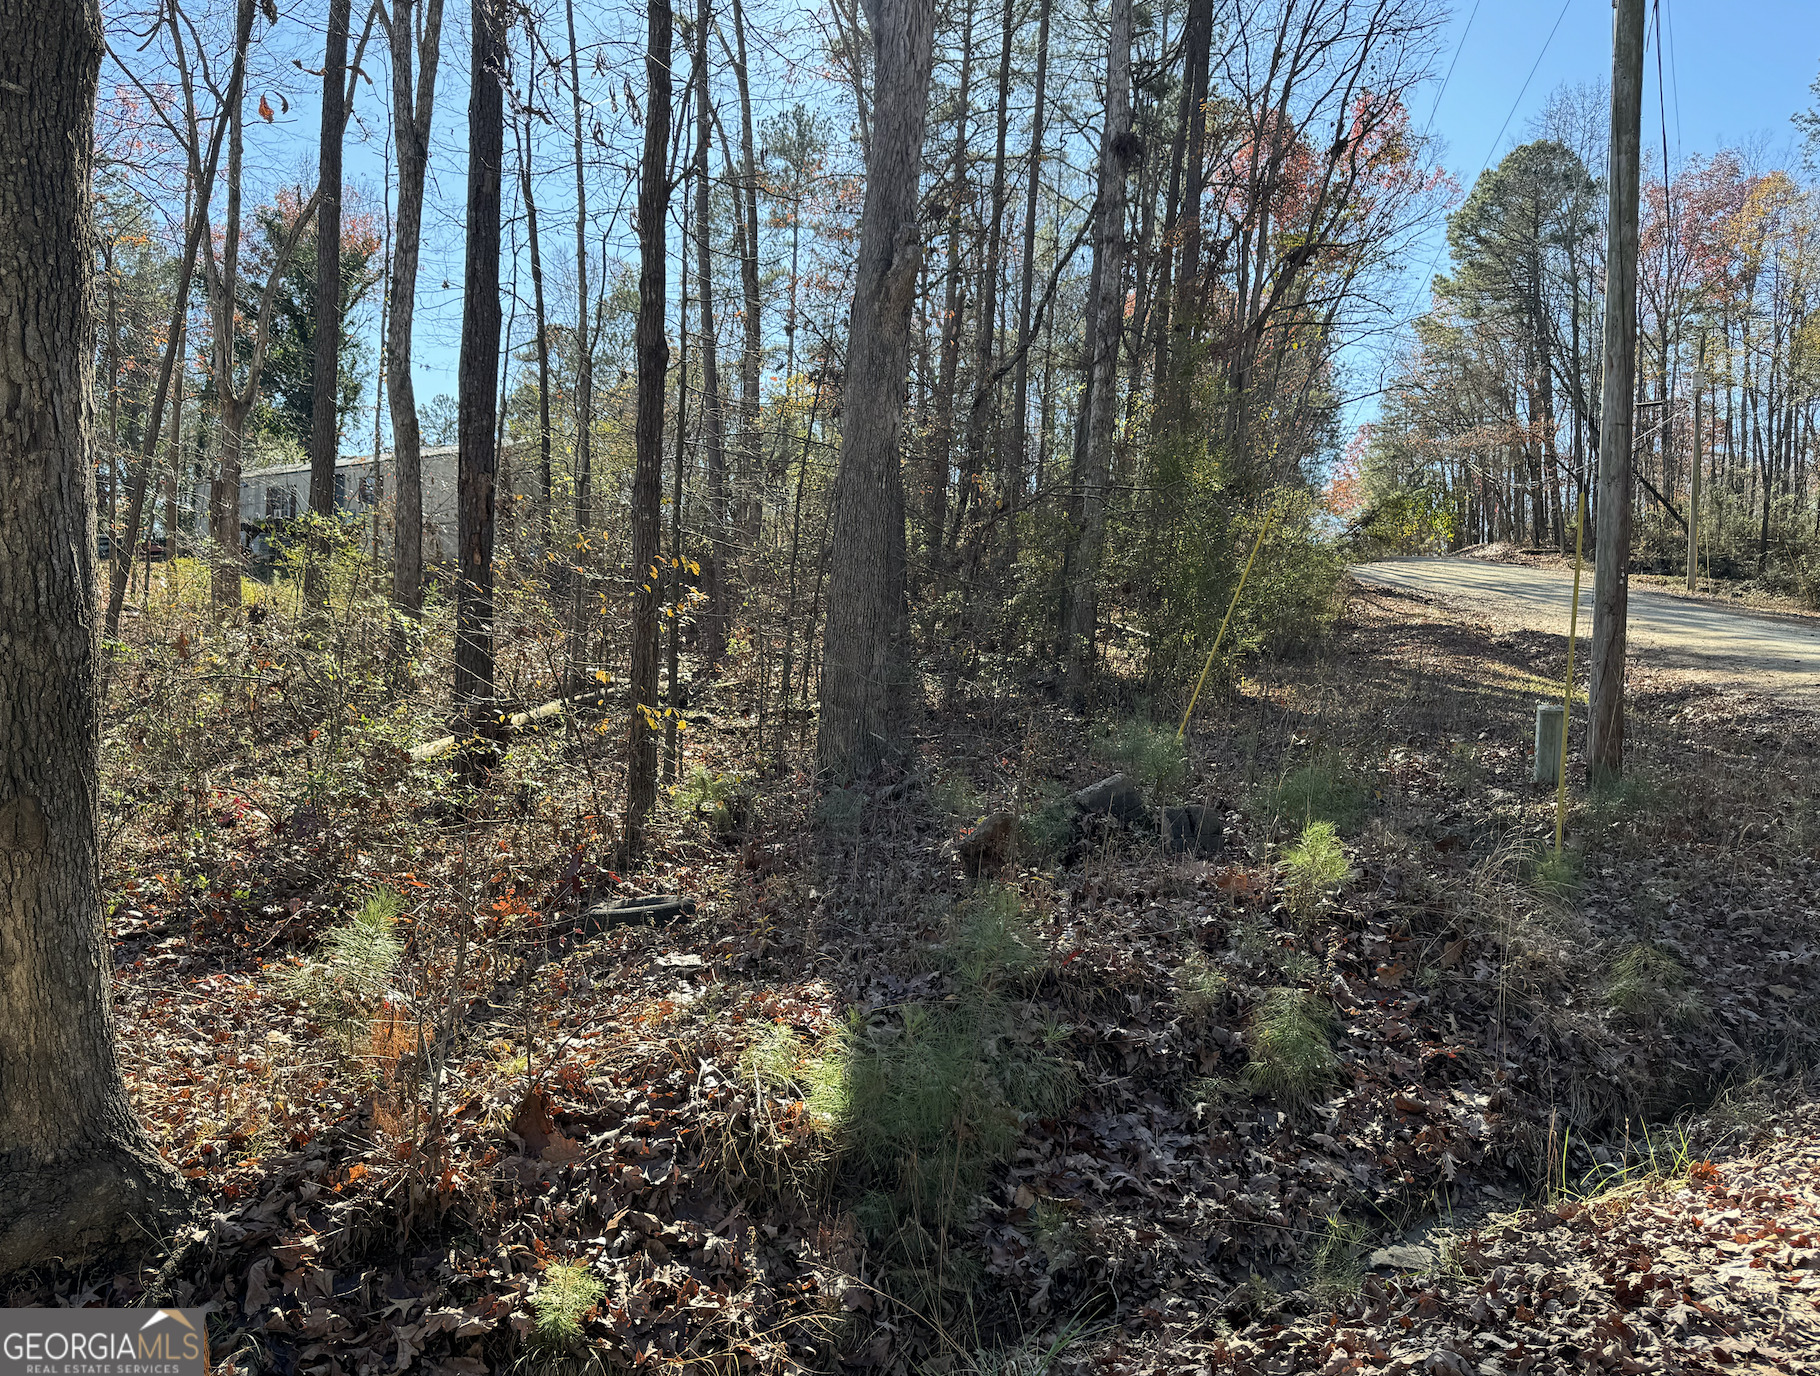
265, 110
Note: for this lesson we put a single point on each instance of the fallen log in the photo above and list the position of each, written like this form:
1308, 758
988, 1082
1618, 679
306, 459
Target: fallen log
443, 745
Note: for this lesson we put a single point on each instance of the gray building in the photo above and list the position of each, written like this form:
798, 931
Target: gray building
365, 488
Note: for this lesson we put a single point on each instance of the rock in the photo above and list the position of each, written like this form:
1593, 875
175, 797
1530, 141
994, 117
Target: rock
1201, 830
992, 842
1404, 1257
1117, 797
654, 910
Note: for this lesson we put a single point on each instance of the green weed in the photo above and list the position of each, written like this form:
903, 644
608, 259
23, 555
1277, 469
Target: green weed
716, 799
1322, 791
1316, 865
565, 1293
355, 965
1649, 985
1149, 753
1288, 1040
1337, 1252
1556, 874
1199, 986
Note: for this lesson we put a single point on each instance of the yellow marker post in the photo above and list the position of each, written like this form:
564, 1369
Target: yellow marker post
1567, 693
1182, 730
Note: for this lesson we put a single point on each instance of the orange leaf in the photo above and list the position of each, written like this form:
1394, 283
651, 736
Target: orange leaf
265, 109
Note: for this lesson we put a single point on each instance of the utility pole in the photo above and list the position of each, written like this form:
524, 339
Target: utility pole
1693, 492
1611, 589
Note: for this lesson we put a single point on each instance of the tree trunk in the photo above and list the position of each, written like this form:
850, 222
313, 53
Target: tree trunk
411, 114
77, 1176
715, 570
1116, 149
325, 372
546, 519
752, 357
478, 371
584, 334
653, 356
861, 662
1016, 455
954, 307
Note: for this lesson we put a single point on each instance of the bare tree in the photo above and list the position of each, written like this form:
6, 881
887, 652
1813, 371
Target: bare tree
413, 104
862, 663
325, 373
478, 370
715, 569
653, 353
1117, 151
77, 1175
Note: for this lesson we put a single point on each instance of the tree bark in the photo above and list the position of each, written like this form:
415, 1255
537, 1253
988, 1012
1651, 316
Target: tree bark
1611, 589
78, 1178
478, 370
584, 333
1116, 150
752, 356
325, 372
861, 664
653, 358
715, 569
546, 517
411, 114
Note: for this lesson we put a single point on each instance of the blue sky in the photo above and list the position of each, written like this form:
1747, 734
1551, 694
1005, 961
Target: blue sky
1733, 74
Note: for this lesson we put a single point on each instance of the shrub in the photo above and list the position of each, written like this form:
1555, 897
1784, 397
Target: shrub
355, 968
1199, 985
1649, 985
1149, 753
1321, 791
1316, 864
565, 1294
1290, 1055
717, 799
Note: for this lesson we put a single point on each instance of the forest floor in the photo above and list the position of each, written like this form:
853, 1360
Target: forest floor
1073, 1101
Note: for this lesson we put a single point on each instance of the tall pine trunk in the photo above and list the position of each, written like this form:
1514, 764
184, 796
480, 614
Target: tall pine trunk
77, 1175
653, 356
325, 370
862, 661
715, 571
1116, 151
412, 110
478, 371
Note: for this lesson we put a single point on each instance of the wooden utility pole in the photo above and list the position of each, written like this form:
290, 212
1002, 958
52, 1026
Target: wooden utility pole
1611, 588
1693, 491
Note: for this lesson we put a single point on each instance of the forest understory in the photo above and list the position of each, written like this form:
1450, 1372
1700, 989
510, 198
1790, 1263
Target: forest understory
1357, 1078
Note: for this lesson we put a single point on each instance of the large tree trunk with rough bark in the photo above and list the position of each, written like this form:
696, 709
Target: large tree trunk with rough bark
78, 1179
478, 371
1116, 151
653, 352
862, 660
717, 568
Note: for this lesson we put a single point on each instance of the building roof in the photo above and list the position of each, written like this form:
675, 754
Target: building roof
345, 461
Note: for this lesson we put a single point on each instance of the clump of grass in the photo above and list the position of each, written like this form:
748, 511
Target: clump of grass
1321, 791
354, 967
1149, 753
1199, 986
1556, 873
1614, 797
1288, 1040
1648, 984
565, 1294
1316, 864
1337, 1268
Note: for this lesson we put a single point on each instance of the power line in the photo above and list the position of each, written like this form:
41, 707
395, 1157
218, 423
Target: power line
1430, 122
1428, 274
